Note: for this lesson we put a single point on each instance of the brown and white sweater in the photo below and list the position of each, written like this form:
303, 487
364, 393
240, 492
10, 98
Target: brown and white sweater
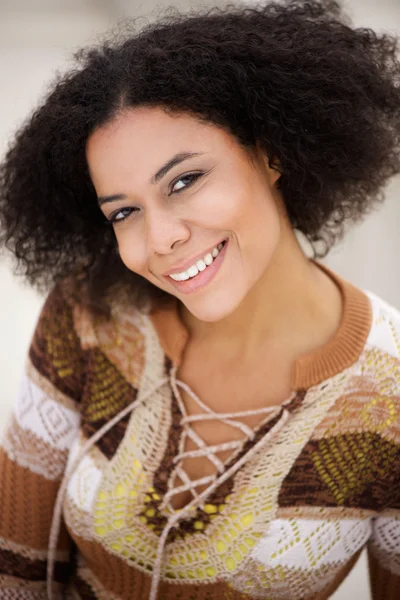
303, 494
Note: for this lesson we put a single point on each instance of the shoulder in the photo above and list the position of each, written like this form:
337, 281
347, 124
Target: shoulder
385, 326
74, 336
115, 354
112, 337
67, 309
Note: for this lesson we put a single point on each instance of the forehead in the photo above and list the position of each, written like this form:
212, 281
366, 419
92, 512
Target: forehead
143, 128
139, 140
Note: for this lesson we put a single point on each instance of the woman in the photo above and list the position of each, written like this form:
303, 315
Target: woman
206, 411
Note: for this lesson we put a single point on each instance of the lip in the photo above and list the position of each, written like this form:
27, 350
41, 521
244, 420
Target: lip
203, 278
183, 266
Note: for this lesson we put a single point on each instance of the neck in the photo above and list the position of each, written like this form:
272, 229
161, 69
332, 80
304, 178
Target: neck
295, 307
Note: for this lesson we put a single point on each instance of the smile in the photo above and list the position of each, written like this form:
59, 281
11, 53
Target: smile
199, 265
200, 272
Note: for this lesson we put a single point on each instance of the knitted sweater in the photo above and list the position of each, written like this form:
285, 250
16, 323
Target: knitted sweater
95, 441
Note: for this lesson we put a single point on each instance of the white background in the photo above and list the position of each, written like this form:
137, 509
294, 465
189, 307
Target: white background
37, 38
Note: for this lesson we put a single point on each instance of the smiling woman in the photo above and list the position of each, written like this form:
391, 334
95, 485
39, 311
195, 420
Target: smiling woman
206, 412
225, 206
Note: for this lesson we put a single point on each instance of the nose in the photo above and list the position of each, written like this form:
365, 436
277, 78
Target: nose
165, 231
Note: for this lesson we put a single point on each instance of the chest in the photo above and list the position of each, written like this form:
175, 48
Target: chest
221, 387
249, 526
237, 383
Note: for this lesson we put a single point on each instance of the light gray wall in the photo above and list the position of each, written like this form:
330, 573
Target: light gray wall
36, 39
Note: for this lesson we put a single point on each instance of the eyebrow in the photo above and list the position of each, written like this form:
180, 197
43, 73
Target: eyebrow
175, 160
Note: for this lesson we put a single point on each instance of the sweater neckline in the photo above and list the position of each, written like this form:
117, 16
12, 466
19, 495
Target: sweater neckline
339, 353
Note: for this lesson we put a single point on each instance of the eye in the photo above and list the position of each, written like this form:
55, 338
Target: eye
121, 215
192, 177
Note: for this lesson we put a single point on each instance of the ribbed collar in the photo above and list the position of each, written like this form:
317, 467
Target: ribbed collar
309, 369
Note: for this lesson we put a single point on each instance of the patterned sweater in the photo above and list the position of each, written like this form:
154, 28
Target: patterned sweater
95, 441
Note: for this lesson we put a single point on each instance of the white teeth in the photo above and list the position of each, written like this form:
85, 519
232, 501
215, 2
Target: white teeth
200, 265
179, 276
192, 271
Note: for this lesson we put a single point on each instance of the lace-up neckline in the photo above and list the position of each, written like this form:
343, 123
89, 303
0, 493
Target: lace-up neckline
203, 449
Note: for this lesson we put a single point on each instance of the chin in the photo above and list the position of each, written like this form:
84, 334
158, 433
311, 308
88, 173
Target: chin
212, 309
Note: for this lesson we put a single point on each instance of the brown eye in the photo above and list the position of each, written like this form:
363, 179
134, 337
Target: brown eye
121, 214
192, 177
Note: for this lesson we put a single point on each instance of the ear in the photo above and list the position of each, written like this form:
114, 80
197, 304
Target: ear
274, 171
272, 166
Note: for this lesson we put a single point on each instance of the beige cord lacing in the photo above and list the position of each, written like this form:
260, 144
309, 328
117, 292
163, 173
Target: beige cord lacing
203, 450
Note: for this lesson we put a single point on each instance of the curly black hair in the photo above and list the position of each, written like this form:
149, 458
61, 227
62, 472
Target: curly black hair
317, 93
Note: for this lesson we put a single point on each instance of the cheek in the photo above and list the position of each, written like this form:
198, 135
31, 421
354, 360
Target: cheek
132, 253
258, 222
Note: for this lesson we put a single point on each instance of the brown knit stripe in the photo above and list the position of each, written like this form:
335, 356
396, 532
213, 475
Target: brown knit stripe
84, 589
323, 512
128, 582
106, 389
55, 350
105, 572
386, 556
28, 450
89, 587
110, 441
112, 572
384, 584
31, 553
358, 469
14, 588
105, 394
26, 505
35, 570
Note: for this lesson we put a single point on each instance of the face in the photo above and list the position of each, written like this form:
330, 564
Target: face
191, 212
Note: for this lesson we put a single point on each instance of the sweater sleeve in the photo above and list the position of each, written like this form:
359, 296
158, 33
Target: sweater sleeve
383, 547
34, 448
383, 550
